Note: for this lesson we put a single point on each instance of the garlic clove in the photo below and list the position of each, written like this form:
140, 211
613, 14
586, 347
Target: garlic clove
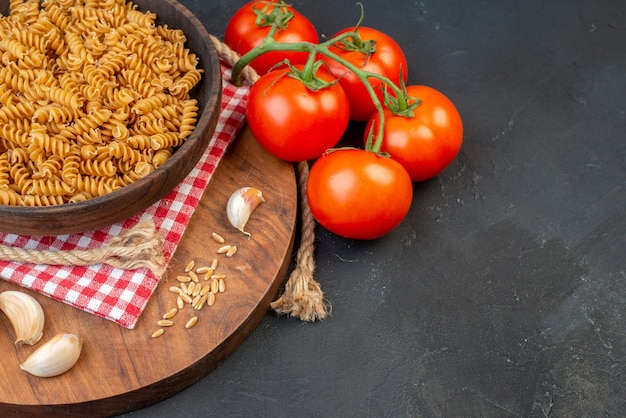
25, 314
240, 206
55, 356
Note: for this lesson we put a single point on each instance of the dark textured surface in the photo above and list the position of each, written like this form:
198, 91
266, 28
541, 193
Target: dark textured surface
503, 294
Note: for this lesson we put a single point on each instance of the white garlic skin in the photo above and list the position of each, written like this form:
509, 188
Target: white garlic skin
25, 314
240, 206
55, 356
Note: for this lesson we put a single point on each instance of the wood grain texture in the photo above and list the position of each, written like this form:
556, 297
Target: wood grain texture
122, 370
131, 199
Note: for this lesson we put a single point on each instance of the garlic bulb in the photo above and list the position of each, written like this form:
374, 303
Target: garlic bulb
25, 314
55, 356
240, 206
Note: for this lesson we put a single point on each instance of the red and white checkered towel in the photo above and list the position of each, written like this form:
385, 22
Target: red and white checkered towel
109, 292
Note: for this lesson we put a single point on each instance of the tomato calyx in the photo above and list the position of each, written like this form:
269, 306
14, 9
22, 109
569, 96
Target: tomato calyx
403, 104
354, 43
307, 75
273, 13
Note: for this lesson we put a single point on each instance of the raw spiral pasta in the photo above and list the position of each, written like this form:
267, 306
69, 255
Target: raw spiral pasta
94, 95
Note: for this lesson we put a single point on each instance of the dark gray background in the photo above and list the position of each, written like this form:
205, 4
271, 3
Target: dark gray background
503, 293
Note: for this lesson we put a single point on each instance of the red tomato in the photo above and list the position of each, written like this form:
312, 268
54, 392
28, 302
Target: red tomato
358, 194
388, 60
427, 143
242, 34
293, 122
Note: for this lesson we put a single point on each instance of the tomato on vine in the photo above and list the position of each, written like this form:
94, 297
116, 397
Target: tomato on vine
426, 143
358, 194
375, 52
297, 113
251, 24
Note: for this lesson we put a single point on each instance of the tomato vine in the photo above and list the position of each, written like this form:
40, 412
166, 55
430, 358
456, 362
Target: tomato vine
398, 102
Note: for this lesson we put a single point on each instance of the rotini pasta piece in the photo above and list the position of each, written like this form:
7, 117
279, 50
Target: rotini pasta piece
123, 152
90, 137
20, 177
53, 113
148, 126
18, 155
41, 200
79, 197
9, 196
77, 47
96, 77
47, 187
142, 19
94, 44
39, 139
115, 130
32, 59
56, 41
166, 113
104, 168
71, 166
63, 97
188, 118
174, 36
43, 144
21, 110
95, 186
15, 48
187, 61
42, 25
91, 121
31, 39
49, 169
165, 140
56, 15
113, 61
138, 82
7, 97
181, 87
130, 28
5, 167
141, 170
139, 141
113, 13
16, 132
160, 157
148, 104
116, 98
28, 10
88, 152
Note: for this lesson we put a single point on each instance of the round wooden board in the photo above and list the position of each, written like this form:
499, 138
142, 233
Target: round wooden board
122, 370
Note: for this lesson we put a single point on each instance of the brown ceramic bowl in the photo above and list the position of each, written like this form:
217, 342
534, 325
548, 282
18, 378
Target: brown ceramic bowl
129, 200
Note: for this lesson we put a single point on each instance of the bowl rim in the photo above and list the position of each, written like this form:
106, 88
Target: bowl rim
210, 111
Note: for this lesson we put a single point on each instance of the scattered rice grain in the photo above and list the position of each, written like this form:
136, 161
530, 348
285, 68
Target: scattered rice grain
192, 321
218, 238
170, 314
231, 251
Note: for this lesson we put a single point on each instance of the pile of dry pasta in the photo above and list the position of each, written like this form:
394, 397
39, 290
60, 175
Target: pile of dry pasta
93, 96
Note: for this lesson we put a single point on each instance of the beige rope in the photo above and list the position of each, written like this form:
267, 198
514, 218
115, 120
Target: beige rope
303, 296
139, 247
